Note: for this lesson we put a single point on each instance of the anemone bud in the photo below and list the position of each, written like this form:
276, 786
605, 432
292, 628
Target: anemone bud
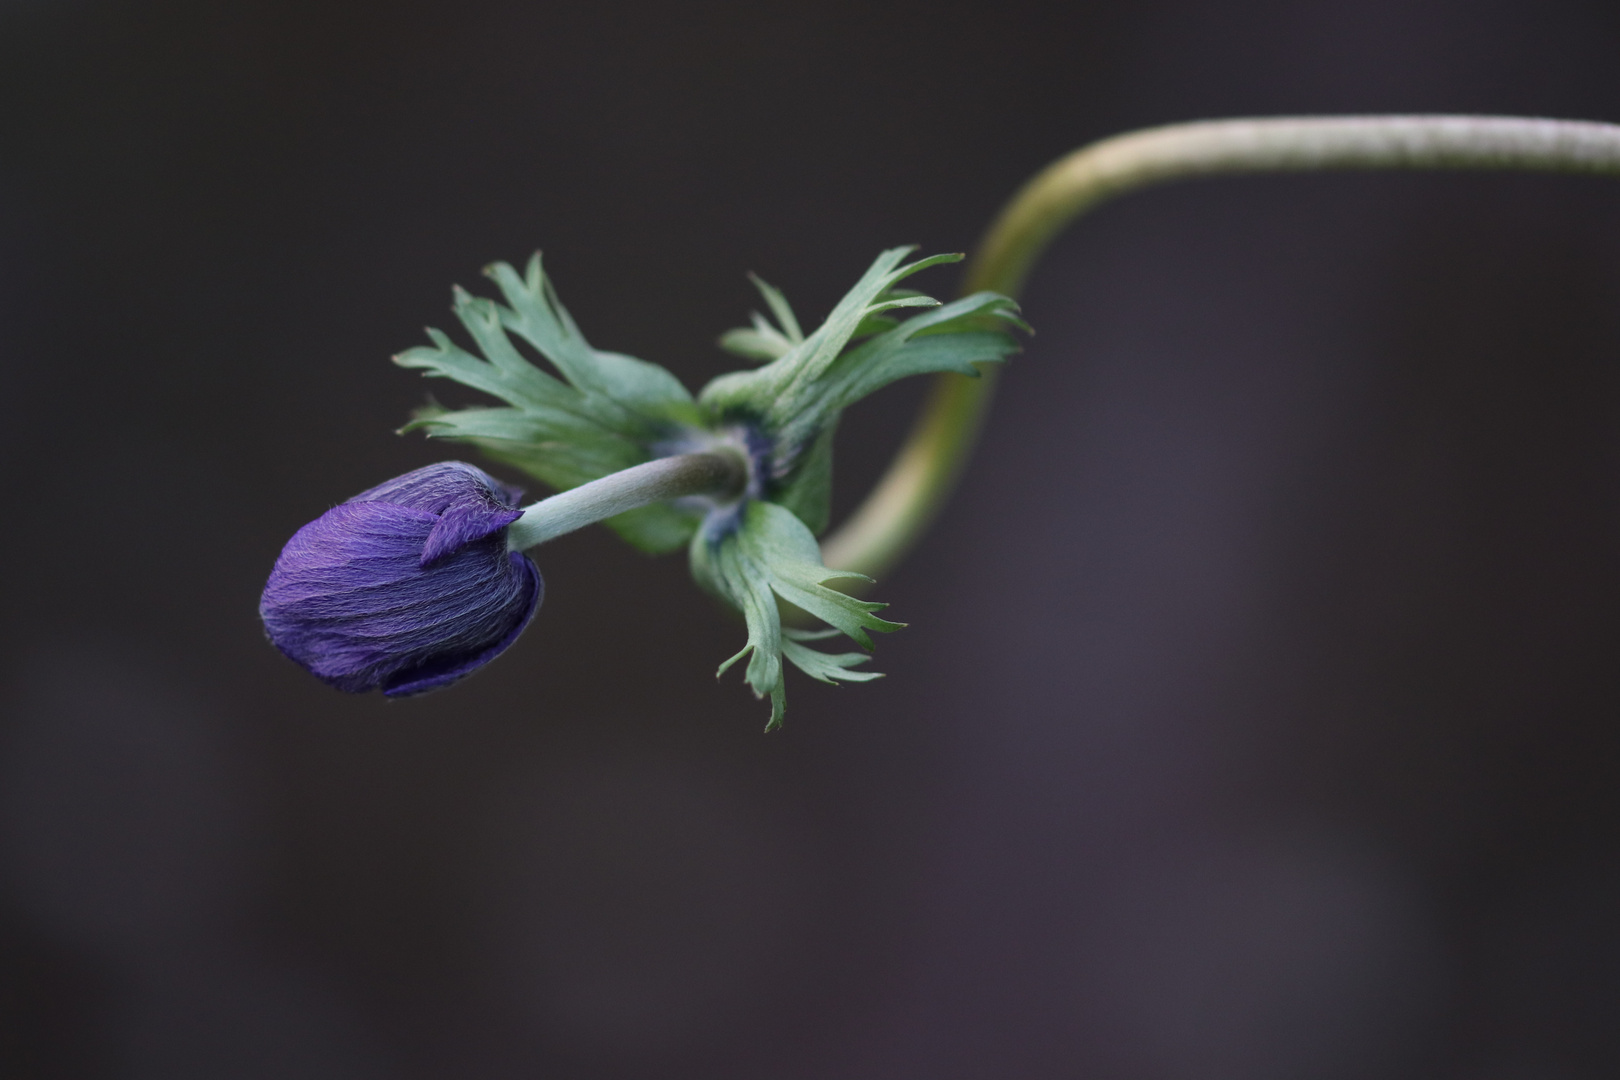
406, 587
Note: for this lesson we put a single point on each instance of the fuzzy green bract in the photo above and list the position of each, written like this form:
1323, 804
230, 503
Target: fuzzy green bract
608, 411
772, 554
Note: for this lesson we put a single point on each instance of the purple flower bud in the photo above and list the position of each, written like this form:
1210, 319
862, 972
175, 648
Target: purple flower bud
406, 587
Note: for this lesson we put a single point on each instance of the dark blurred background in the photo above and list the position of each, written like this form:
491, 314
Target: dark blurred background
1259, 715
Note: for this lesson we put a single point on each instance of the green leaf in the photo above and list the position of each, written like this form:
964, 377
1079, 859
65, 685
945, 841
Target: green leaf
561, 451
772, 556
763, 341
759, 343
604, 414
536, 315
801, 392
780, 308
772, 390
809, 493
827, 667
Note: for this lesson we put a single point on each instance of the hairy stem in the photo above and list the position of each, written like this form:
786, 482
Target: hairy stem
910, 494
721, 475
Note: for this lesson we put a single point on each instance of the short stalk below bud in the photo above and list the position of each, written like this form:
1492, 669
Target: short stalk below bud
720, 474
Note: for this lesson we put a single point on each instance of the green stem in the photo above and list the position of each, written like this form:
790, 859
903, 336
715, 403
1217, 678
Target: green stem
721, 475
905, 501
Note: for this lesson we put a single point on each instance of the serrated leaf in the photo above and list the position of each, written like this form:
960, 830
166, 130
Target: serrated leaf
772, 555
801, 393
762, 341
779, 306
759, 343
828, 667
794, 633
604, 413
537, 315
770, 391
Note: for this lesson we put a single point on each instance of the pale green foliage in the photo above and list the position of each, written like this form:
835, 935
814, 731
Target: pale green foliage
603, 415
804, 388
797, 399
771, 555
608, 412
762, 341
799, 395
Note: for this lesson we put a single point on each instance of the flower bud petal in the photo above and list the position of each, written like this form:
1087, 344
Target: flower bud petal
460, 526
406, 587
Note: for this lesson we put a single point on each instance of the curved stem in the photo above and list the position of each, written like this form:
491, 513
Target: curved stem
720, 475
906, 499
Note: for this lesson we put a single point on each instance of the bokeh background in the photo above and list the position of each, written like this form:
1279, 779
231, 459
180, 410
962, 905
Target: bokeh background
1259, 716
